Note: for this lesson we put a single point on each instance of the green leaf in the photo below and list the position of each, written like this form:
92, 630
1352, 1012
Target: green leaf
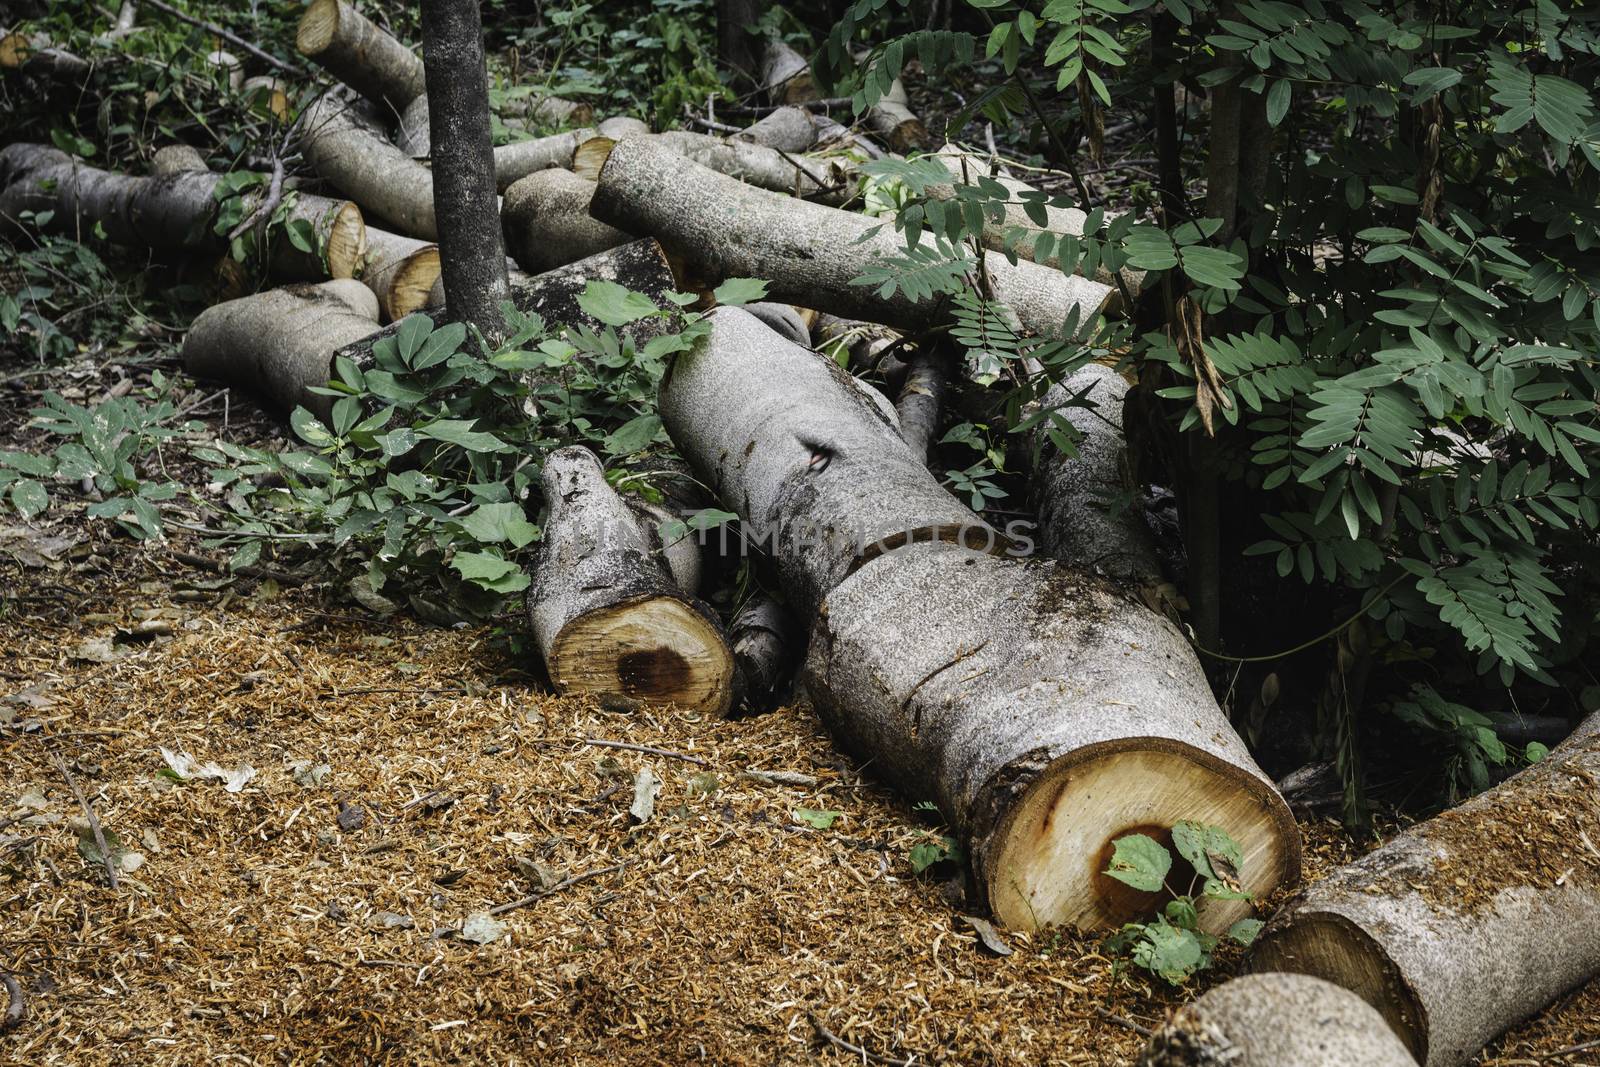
490, 571
737, 291
819, 820
1140, 861
1278, 98
29, 498
494, 523
1245, 930
414, 329
309, 428
460, 432
635, 435
1169, 951
614, 304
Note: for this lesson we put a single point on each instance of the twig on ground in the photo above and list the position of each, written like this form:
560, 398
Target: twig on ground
565, 883
712, 124
217, 566
16, 1007
645, 749
211, 27
856, 1050
106, 857
1113, 1017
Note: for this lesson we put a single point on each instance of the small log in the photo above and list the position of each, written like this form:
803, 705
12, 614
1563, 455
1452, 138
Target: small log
783, 318
1070, 494
920, 403
830, 133
893, 121
1462, 926
1276, 1020
620, 126
280, 344
339, 234
343, 42
863, 346
227, 66
604, 610
34, 55
400, 271
785, 75
788, 129
641, 266
766, 647
517, 160
268, 94
811, 254
388, 184
547, 223
1045, 712
540, 110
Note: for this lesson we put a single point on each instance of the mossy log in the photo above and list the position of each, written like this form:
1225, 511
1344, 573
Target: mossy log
1041, 709
279, 344
809, 253
360, 162
604, 609
368, 59
1275, 1020
1464, 925
547, 224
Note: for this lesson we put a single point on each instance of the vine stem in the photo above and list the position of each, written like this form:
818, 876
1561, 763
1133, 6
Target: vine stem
1302, 646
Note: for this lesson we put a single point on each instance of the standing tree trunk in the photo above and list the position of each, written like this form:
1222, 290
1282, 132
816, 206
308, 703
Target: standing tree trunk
1466, 924
471, 250
735, 44
1045, 712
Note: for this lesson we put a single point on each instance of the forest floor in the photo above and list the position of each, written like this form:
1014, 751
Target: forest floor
409, 777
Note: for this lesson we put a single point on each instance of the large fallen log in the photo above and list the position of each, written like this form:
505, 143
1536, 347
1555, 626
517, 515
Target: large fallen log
279, 344
358, 161
547, 223
343, 42
172, 208
809, 253
1468, 923
400, 271
605, 611
1085, 517
1042, 710
1276, 1020
828, 179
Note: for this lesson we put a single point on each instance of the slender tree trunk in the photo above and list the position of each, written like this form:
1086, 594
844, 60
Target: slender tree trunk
1169, 169
471, 251
735, 45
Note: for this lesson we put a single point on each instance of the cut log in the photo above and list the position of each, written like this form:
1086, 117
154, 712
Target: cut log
893, 121
540, 110
339, 234
169, 211
413, 135
517, 160
1276, 1020
227, 67
280, 344
785, 75
765, 644
641, 266
621, 126
268, 95
784, 319
400, 271
388, 184
605, 612
547, 223
1043, 711
920, 403
810, 254
680, 552
1071, 495
829, 179
175, 159
343, 42
832, 133
788, 129
34, 55
1466, 924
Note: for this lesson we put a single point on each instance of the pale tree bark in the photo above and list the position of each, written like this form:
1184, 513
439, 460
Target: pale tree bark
389, 185
605, 611
1042, 710
1276, 1020
517, 160
400, 271
471, 250
766, 645
788, 129
343, 42
810, 254
1464, 925
827, 179
547, 224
